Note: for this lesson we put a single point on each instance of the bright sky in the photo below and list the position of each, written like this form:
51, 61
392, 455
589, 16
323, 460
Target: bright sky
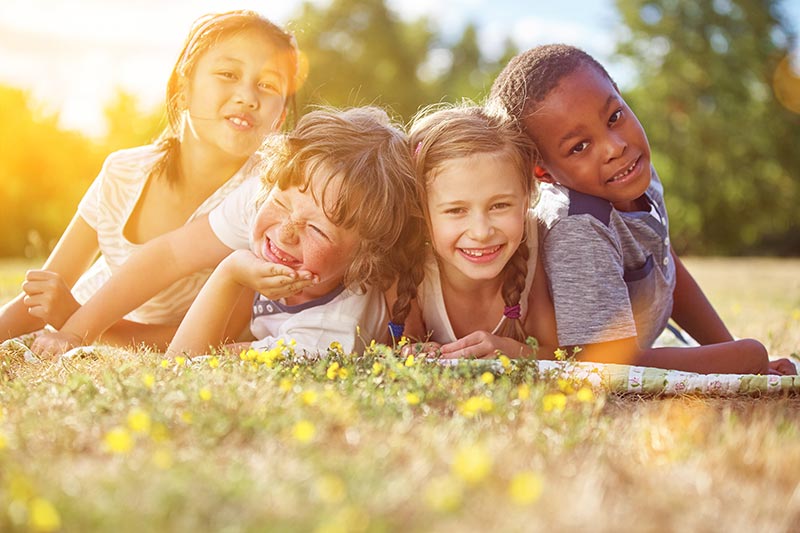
71, 55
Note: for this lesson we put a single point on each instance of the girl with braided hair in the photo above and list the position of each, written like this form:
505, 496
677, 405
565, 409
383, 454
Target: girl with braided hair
477, 288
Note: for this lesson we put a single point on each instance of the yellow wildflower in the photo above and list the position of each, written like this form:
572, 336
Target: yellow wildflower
403, 341
504, 360
165, 363
187, 417
409, 360
565, 386
139, 420
149, 380
585, 395
377, 368
330, 489
204, 394
304, 431
525, 488
556, 401
336, 346
487, 377
285, 384
308, 397
159, 432
333, 370
560, 354
443, 494
118, 440
213, 362
180, 360
472, 463
474, 405
523, 391
796, 314
43, 516
412, 398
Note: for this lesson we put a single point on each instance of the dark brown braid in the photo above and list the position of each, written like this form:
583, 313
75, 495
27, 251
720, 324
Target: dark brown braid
531, 75
514, 274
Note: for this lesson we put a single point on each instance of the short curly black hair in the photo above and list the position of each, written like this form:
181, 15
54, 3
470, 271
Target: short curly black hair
530, 76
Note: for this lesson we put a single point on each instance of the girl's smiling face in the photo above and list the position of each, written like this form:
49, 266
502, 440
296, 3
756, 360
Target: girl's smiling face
590, 140
291, 228
236, 94
477, 207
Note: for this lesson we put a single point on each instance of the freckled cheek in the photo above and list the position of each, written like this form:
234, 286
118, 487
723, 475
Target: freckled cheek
325, 261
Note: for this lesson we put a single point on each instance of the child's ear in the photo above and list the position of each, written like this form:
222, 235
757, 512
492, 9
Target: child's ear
541, 174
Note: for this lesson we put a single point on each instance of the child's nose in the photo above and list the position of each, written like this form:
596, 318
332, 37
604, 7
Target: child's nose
288, 231
247, 94
480, 227
615, 145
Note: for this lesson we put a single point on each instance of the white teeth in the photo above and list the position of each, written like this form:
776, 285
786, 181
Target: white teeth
238, 121
479, 253
624, 172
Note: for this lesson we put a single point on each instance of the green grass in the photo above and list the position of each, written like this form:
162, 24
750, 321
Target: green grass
122, 442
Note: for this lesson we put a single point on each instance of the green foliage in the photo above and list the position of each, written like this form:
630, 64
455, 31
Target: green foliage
723, 145
360, 52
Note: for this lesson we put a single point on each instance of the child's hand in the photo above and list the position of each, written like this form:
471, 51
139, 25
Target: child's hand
270, 279
428, 349
782, 367
481, 344
53, 345
48, 297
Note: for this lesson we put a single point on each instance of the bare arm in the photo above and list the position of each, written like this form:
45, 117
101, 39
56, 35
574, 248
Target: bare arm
692, 310
155, 266
746, 356
31, 309
217, 306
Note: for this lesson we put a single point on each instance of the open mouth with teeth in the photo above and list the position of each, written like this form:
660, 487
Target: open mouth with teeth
481, 255
276, 255
621, 176
241, 122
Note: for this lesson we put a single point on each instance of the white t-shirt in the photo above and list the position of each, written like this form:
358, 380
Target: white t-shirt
337, 316
431, 299
108, 205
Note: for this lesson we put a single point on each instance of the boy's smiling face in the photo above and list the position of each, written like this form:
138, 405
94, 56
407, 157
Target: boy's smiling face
590, 140
292, 229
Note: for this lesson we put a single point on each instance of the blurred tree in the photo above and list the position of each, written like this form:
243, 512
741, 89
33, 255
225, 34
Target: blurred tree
44, 171
724, 147
127, 125
360, 53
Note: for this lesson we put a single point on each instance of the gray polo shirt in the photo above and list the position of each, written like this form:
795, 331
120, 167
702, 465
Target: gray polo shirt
611, 274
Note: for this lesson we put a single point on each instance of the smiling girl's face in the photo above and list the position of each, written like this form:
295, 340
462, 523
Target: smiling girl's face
477, 208
291, 229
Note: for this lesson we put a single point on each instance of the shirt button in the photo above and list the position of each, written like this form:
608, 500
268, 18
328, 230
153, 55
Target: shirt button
666, 241
269, 307
666, 261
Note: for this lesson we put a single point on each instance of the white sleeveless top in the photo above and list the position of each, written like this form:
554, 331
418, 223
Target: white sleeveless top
108, 205
431, 299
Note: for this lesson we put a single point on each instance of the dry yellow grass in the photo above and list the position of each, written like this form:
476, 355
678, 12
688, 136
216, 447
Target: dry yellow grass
120, 442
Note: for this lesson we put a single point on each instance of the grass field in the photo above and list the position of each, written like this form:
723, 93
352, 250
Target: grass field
128, 442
